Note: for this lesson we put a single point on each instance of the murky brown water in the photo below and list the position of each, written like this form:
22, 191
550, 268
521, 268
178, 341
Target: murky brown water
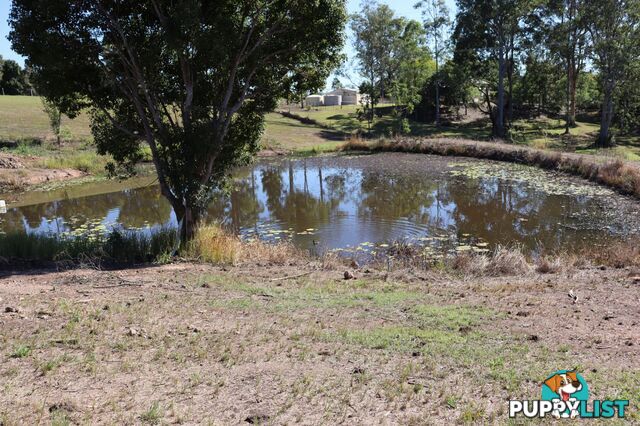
360, 203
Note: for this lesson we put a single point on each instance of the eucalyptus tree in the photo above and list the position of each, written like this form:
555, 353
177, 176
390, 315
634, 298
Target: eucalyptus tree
191, 78
490, 31
376, 30
565, 37
437, 22
392, 58
614, 28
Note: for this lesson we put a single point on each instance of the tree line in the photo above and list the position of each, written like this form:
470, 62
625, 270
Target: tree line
511, 59
14, 80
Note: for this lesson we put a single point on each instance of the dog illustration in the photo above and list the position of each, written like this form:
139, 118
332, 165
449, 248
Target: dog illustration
564, 385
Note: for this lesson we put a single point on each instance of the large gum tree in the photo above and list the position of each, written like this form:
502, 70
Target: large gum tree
193, 79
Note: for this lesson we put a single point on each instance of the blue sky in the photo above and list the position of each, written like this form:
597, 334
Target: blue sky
402, 7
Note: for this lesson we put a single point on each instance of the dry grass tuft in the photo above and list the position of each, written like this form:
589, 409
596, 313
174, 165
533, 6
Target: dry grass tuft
620, 255
548, 265
331, 261
508, 261
470, 264
502, 262
212, 244
355, 143
283, 253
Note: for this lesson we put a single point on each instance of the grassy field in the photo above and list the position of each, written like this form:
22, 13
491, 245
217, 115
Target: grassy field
543, 133
22, 119
290, 135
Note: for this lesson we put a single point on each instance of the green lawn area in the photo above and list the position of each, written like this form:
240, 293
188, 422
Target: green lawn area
22, 119
543, 133
283, 133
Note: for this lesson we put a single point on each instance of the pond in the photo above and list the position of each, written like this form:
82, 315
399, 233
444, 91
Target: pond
360, 204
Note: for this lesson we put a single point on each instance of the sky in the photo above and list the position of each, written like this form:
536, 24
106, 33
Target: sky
402, 8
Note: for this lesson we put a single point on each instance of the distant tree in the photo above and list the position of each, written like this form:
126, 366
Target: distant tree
541, 89
614, 28
55, 118
306, 80
491, 31
412, 68
437, 22
193, 79
392, 59
336, 84
13, 78
376, 30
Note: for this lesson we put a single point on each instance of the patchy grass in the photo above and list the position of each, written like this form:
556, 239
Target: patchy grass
195, 344
153, 415
21, 351
87, 161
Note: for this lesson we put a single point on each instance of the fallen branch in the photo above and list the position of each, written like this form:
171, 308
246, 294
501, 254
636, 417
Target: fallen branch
291, 277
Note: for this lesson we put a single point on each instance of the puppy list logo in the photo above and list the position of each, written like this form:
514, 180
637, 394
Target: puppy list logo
565, 394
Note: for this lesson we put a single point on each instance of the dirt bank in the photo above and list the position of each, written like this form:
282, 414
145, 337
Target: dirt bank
299, 344
18, 172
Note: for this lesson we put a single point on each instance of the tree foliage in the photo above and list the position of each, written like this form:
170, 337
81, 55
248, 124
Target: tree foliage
13, 79
191, 78
393, 60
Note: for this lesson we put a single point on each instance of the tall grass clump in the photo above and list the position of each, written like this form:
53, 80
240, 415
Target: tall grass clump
503, 261
212, 244
117, 248
87, 162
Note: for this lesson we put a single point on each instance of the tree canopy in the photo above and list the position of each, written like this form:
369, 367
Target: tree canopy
191, 78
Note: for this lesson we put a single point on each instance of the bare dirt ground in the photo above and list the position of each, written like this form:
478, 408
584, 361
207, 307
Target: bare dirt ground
189, 344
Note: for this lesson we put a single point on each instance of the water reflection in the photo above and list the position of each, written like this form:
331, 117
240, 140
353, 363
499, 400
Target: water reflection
342, 202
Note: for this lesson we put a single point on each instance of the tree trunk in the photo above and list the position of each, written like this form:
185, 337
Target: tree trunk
188, 221
571, 95
604, 137
572, 98
498, 130
572, 69
437, 85
510, 80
